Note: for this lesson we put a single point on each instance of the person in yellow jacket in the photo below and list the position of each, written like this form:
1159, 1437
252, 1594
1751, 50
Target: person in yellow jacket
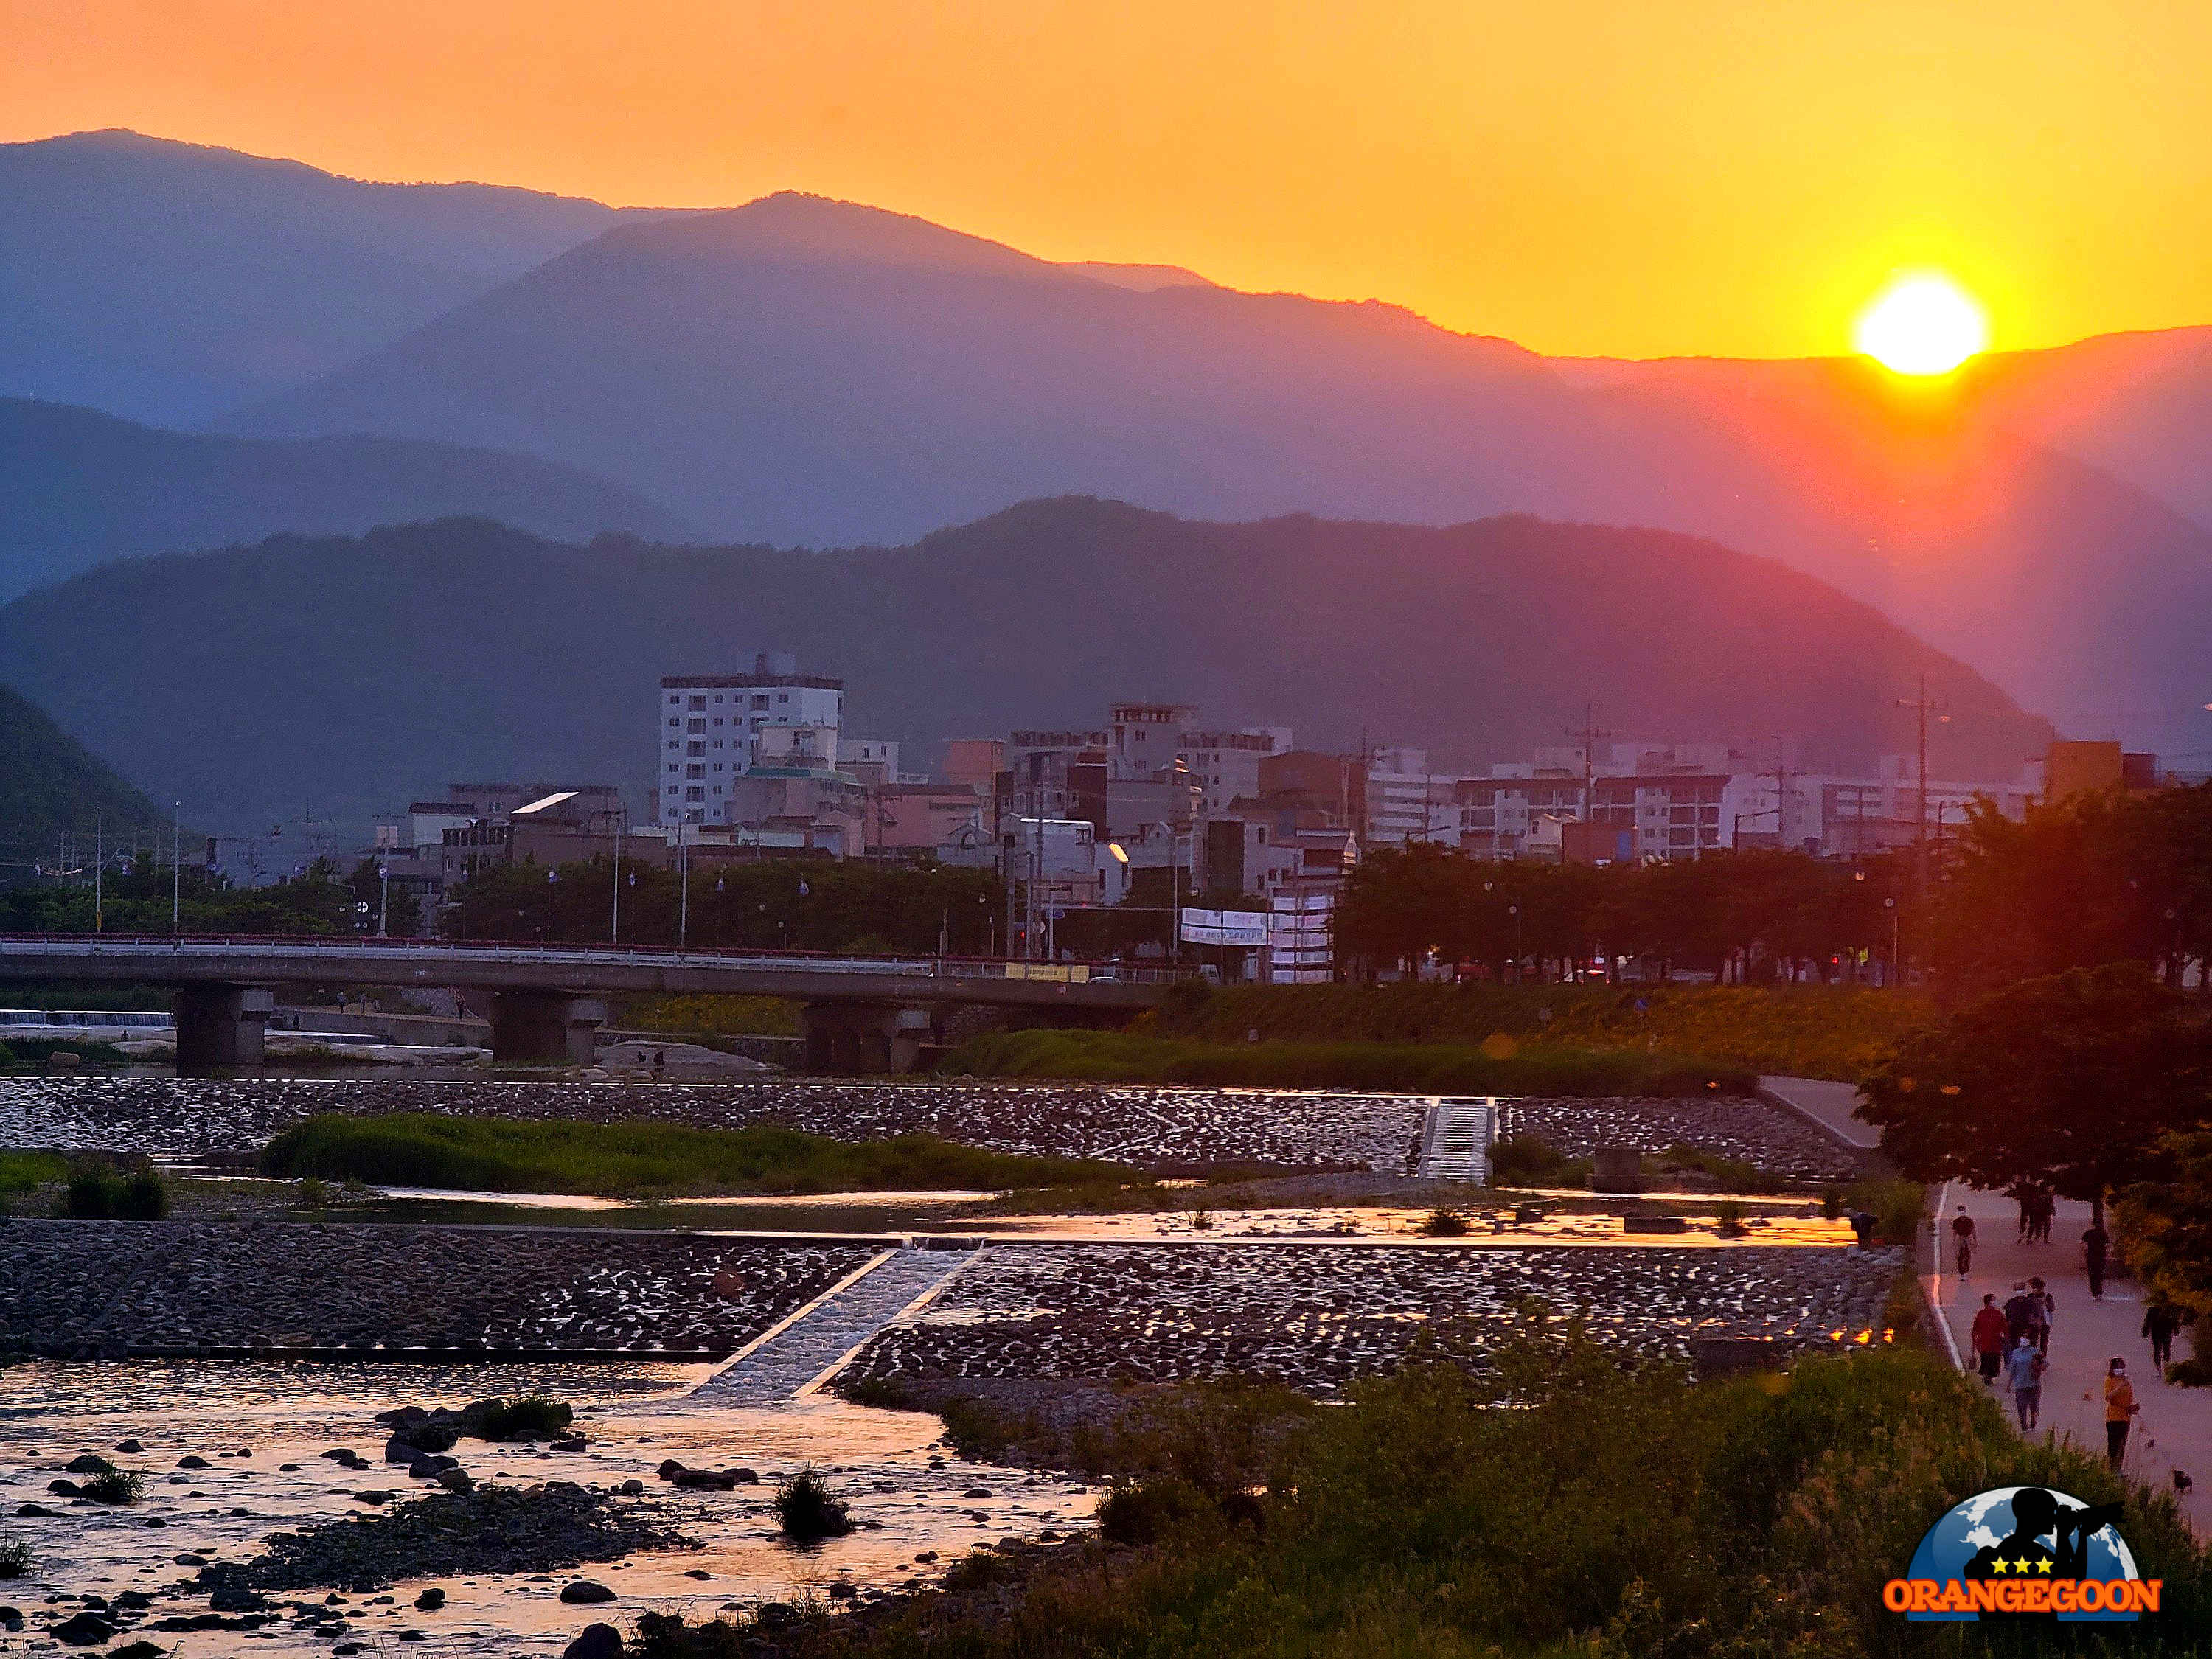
2121, 1408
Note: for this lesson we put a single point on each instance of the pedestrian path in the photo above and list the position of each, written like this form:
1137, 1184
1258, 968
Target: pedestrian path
2175, 1428
795, 1356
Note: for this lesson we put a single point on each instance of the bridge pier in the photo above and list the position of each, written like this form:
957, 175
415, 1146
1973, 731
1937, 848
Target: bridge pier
219, 1027
860, 1039
554, 1025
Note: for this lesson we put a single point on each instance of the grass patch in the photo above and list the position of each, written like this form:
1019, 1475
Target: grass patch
16, 1559
807, 1511
1533, 1161
1805, 1031
37, 1051
1415, 1068
646, 1159
98, 1191
114, 1486
24, 1172
1620, 1513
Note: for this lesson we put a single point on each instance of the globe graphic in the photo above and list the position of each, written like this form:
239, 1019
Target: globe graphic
1986, 1518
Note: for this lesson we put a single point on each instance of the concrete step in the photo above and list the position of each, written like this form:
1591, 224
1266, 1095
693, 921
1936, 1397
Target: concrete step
1456, 1138
803, 1354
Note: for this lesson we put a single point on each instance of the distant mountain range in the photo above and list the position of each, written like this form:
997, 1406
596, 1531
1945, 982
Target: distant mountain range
50, 786
78, 488
170, 282
356, 674
801, 371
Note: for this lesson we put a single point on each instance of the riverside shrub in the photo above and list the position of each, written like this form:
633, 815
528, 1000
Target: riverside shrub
1617, 1512
1806, 1030
622, 1159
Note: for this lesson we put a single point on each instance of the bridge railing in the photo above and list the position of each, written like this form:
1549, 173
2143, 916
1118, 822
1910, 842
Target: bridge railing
337, 946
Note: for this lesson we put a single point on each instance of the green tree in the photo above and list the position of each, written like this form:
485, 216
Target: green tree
2073, 1079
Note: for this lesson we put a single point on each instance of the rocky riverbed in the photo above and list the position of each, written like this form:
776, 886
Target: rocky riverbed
1162, 1129
1745, 1128
105, 1289
1318, 1315
244, 1507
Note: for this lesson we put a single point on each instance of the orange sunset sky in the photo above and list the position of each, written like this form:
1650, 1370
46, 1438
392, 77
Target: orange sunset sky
1632, 177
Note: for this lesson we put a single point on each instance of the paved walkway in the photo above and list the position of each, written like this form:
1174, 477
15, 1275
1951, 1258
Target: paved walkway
2175, 1428
828, 1330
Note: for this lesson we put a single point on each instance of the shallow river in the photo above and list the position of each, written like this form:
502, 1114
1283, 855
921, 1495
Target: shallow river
635, 1416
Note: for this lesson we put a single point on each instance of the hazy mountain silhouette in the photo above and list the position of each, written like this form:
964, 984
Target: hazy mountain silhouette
170, 282
2139, 405
411, 656
809, 371
78, 488
51, 786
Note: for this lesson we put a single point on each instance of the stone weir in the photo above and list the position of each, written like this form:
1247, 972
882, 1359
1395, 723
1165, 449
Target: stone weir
116, 1289
790, 1312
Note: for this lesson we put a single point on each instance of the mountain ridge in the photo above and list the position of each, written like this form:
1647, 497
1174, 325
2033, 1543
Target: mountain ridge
77, 486
370, 685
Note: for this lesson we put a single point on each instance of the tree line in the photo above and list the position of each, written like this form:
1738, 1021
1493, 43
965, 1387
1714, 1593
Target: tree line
2092, 880
813, 904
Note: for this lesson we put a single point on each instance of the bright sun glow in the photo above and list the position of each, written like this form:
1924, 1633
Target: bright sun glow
1924, 324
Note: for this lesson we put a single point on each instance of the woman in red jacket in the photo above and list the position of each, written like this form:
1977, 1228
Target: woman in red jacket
1988, 1337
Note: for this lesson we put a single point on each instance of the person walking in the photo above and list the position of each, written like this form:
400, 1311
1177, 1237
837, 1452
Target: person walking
2046, 1208
2043, 1308
1988, 1336
2024, 1366
2121, 1410
2094, 1244
2024, 1195
1962, 1235
2020, 1312
2159, 1322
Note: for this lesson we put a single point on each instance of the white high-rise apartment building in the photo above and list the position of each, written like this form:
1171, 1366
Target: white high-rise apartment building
709, 728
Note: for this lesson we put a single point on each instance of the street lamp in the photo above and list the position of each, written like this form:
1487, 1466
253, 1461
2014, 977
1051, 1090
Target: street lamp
1895, 970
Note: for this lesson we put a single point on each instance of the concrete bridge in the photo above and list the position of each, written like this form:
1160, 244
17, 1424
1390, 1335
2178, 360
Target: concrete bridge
860, 1014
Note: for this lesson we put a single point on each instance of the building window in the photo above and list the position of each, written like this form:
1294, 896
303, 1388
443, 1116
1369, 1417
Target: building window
673, 722
695, 747
783, 696
694, 771
694, 793
760, 702
696, 726
699, 702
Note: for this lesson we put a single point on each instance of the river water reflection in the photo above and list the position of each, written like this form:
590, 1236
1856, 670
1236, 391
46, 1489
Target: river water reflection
909, 1492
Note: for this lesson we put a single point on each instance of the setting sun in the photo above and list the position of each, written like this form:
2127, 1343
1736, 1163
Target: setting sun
1924, 324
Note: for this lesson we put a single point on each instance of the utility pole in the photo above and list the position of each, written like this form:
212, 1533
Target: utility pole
684, 880
614, 921
1921, 705
1783, 773
1587, 737
98, 869
176, 866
